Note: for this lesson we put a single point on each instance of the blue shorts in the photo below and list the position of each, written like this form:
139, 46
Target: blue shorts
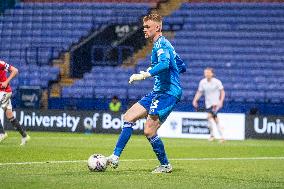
160, 104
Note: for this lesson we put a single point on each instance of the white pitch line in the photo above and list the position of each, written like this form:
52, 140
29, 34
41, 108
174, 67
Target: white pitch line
137, 160
42, 162
210, 159
237, 158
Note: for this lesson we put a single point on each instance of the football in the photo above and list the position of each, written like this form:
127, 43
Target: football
97, 163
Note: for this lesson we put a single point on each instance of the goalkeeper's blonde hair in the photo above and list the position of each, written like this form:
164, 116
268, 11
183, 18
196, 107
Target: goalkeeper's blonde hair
155, 17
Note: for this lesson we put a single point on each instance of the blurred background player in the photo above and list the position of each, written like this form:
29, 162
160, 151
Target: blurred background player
5, 100
214, 93
157, 105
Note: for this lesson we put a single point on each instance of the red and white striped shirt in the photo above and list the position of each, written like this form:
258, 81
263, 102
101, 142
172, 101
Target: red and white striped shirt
4, 68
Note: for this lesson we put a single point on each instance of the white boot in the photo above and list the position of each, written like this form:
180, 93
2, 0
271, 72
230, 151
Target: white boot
113, 161
3, 136
25, 140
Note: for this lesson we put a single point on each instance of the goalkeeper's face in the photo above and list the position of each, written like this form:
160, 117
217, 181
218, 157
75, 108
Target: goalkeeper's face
151, 29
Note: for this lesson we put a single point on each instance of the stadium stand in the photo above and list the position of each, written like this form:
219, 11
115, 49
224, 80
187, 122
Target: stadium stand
16, 36
32, 34
99, 1
6, 4
152, 1
243, 42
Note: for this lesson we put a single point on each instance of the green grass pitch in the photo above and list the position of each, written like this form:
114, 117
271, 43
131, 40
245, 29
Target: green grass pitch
190, 170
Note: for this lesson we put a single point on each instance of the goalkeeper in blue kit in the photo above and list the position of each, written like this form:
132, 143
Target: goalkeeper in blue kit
166, 66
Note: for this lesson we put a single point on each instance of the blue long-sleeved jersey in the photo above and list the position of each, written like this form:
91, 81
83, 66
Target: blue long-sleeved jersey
166, 66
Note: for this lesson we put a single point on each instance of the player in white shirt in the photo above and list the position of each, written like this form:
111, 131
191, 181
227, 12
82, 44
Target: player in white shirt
214, 93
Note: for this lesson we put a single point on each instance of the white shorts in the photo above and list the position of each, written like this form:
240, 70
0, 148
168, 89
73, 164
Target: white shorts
5, 100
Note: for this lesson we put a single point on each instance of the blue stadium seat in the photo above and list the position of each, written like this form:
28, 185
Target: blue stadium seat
59, 24
242, 42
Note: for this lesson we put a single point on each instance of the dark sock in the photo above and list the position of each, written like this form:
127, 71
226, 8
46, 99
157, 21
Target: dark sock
1, 128
18, 127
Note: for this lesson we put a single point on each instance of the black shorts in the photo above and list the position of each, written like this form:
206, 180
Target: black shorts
212, 111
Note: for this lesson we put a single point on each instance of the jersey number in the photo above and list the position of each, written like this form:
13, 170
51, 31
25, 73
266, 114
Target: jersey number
154, 104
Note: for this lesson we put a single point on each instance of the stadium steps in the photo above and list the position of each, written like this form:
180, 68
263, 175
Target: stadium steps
168, 7
55, 90
44, 99
165, 9
63, 62
66, 81
64, 65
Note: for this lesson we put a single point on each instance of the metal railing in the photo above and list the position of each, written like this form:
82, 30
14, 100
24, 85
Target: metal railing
33, 53
108, 55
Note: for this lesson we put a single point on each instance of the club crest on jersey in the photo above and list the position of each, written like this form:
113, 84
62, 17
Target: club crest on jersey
7, 66
158, 44
160, 51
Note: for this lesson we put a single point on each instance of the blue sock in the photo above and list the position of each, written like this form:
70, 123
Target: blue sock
159, 149
123, 138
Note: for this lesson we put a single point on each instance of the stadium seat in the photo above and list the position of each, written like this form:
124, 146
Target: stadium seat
34, 33
241, 41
